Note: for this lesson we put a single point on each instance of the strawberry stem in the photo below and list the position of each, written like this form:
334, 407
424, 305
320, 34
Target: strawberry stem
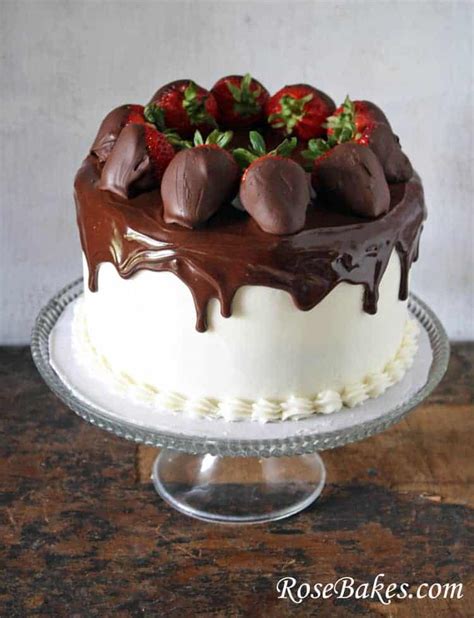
343, 125
342, 128
195, 107
219, 138
154, 114
176, 140
291, 112
246, 100
258, 149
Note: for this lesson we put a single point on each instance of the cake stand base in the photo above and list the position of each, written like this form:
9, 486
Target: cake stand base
238, 490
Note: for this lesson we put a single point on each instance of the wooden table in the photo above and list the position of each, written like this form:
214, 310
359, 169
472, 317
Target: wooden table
83, 532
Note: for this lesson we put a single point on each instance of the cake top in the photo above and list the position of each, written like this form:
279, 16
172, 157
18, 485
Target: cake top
270, 154
234, 187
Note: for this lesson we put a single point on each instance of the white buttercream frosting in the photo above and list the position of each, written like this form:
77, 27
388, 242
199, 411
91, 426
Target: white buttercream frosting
264, 411
327, 402
354, 394
235, 409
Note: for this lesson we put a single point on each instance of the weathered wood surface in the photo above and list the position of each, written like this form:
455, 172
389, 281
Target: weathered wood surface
82, 532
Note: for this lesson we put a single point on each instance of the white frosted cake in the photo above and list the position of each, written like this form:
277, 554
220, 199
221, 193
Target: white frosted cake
287, 302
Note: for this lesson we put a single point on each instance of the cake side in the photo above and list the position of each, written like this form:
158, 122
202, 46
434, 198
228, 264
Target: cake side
335, 354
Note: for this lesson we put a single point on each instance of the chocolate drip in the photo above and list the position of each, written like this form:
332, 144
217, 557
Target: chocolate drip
231, 251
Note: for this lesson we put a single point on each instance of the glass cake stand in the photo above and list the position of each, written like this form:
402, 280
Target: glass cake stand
211, 470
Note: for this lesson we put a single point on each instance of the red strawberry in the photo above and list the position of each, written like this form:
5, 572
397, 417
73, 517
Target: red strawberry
138, 161
159, 150
364, 113
274, 189
299, 110
111, 126
199, 180
240, 99
352, 123
136, 114
186, 107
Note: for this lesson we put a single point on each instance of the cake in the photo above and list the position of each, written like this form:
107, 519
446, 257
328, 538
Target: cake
247, 256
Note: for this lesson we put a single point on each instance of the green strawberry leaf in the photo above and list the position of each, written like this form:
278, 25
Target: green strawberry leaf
258, 143
343, 126
286, 147
190, 91
212, 137
243, 157
342, 129
291, 112
316, 147
246, 83
235, 91
176, 140
225, 139
154, 114
221, 139
196, 107
246, 99
198, 139
257, 149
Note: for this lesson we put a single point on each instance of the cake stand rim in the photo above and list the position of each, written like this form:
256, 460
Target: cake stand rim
264, 447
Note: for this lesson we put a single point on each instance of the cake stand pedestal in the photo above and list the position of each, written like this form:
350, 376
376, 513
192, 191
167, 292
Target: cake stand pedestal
238, 489
211, 469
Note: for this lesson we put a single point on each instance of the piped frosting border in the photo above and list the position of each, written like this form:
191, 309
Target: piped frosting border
233, 409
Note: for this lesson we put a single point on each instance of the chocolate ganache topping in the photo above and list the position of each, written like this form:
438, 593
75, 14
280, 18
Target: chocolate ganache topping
232, 251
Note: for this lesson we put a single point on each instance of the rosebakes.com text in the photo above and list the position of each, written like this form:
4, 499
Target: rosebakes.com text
377, 590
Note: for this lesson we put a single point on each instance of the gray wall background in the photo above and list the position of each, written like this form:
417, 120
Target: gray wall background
65, 64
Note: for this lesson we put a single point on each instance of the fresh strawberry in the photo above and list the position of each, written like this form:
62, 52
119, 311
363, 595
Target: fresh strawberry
137, 162
274, 189
363, 113
342, 126
159, 150
240, 99
199, 180
111, 126
348, 125
186, 107
136, 114
299, 110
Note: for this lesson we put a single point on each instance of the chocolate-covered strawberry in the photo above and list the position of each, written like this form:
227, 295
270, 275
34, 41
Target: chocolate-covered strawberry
241, 101
199, 180
349, 125
137, 162
274, 189
186, 107
357, 113
386, 146
350, 177
112, 125
299, 110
